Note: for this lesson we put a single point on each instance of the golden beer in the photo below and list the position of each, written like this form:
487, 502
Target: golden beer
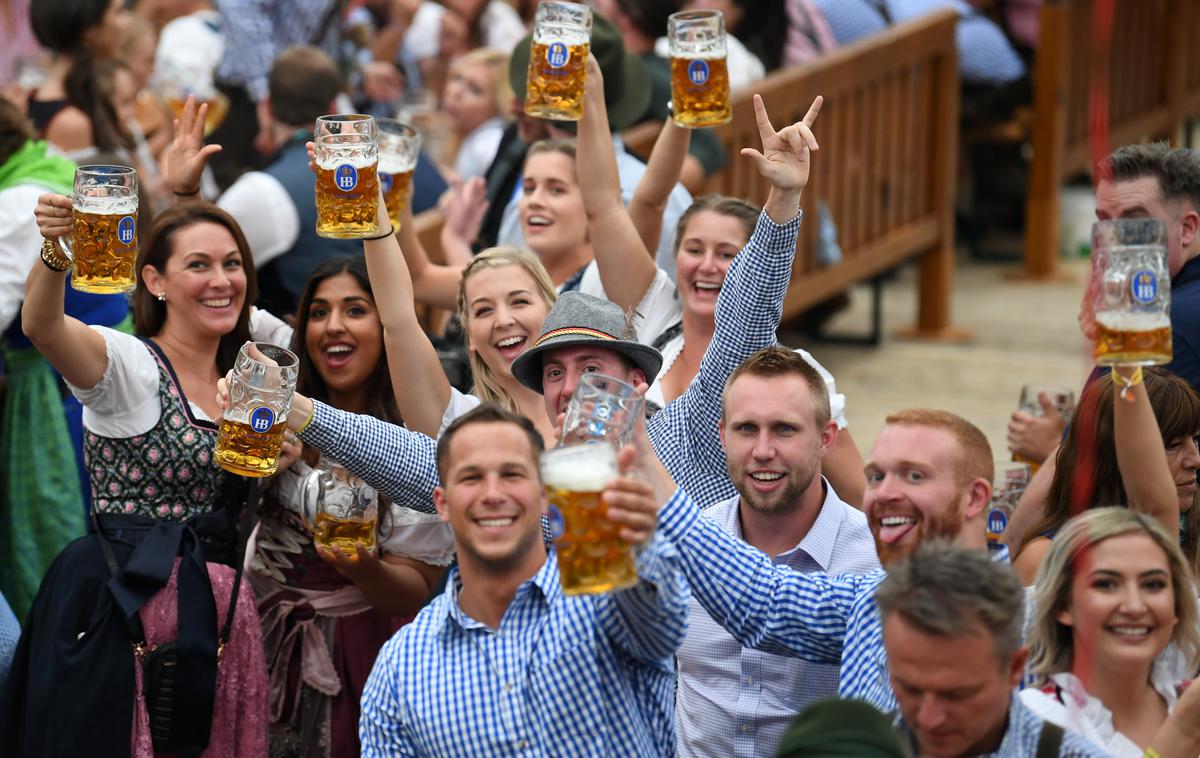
592, 557
218, 107
396, 189
244, 451
556, 77
347, 199
700, 91
105, 247
342, 533
1133, 338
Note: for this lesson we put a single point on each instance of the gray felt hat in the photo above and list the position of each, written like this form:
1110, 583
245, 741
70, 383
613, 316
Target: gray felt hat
580, 319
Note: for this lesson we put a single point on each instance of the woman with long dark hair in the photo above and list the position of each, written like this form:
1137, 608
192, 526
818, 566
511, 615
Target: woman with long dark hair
325, 614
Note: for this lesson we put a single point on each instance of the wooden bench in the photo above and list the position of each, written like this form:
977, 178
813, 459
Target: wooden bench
888, 133
1153, 85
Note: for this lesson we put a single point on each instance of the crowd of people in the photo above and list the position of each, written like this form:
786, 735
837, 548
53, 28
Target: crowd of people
793, 597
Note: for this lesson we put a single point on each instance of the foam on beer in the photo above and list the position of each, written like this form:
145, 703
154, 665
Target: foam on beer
587, 468
391, 164
106, 206
1127, 321
329, 160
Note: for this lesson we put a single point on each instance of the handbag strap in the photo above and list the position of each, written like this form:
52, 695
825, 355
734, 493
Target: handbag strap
246, 524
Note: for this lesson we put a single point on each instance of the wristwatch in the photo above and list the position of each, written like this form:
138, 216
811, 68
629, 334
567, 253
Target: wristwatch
53, 257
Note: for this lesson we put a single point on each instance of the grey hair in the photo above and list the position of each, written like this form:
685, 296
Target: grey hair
946, 590
1177, 169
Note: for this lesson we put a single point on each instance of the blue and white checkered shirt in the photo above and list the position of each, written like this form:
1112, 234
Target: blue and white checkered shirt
1021, 736
816, 617
735, 701
257, 31
749, 307
401, 465
585, 675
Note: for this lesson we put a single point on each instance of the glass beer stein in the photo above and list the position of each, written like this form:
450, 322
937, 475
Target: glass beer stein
260, 398
1133, 299
1064, 402
601, 408
340, 509
558, 52
1011, 480
104, 245
347, 181
699, 75
592, 557
399, 147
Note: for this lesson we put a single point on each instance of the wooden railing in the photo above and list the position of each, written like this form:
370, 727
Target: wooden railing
888, 136
1149, 72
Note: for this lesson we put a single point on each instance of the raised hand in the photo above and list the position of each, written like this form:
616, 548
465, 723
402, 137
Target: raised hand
53, 215
785, 157
185, 158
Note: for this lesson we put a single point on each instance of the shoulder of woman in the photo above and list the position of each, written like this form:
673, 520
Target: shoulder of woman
1029, 560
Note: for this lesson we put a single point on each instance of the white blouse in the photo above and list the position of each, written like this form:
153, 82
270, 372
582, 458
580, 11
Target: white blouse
125, 402
1085, 715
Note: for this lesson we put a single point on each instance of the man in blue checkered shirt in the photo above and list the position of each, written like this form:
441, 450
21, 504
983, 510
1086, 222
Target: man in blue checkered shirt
929, 474
952, 623
503, 662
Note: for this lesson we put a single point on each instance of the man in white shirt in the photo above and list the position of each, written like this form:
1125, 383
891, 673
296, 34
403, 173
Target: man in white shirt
775, 428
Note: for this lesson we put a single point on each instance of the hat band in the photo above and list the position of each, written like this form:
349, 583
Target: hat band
574, 331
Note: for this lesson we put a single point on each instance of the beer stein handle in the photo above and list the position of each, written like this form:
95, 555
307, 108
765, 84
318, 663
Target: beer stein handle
64, 244
312, 495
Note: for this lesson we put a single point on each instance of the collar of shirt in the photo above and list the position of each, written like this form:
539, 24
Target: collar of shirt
818, 544
1188, 274
998, 552
544, 584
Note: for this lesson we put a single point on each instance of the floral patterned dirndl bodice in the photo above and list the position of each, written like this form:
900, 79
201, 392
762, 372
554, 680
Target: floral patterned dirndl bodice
166, 473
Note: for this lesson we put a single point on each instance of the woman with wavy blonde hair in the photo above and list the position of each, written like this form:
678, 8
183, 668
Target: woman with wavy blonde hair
1116, 629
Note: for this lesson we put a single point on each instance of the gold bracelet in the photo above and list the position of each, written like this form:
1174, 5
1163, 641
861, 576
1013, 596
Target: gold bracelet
53, 257
1150, 753
311, 415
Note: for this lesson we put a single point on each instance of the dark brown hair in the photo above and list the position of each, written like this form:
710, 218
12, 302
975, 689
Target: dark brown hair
1176, 169
302, 83
149, 313
1176, 408
488, 413
734, 207
15, 130
381, 399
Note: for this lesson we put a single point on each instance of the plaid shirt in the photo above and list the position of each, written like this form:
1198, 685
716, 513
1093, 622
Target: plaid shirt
817, 617
1021, 736
584, 675
401, 465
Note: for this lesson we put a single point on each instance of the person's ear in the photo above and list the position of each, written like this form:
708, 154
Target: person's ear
1189, 227
829, 435
153, 279
1016, 667
979, 494
439, 502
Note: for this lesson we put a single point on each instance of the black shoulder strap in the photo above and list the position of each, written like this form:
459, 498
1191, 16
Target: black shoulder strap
1050, 741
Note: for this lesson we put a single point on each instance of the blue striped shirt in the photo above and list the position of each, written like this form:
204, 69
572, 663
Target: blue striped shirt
584, 675
817, 617
401, 464
1021, 736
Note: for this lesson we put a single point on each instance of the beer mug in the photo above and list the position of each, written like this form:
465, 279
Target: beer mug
1133, 299
602, 409
347, 183
562, 34
399, 147
699, 75
103, 247
1012, 478
260, 398
1064, 402
592, 557
340, 509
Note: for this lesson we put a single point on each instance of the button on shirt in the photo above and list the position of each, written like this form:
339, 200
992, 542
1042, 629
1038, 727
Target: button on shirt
816, 617
585, 675
735, 701
1021, 736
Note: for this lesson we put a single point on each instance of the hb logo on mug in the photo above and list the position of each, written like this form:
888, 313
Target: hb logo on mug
262, 419
345, 177
126, 230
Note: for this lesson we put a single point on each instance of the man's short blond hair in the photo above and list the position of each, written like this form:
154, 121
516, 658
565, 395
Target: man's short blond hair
974, 459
